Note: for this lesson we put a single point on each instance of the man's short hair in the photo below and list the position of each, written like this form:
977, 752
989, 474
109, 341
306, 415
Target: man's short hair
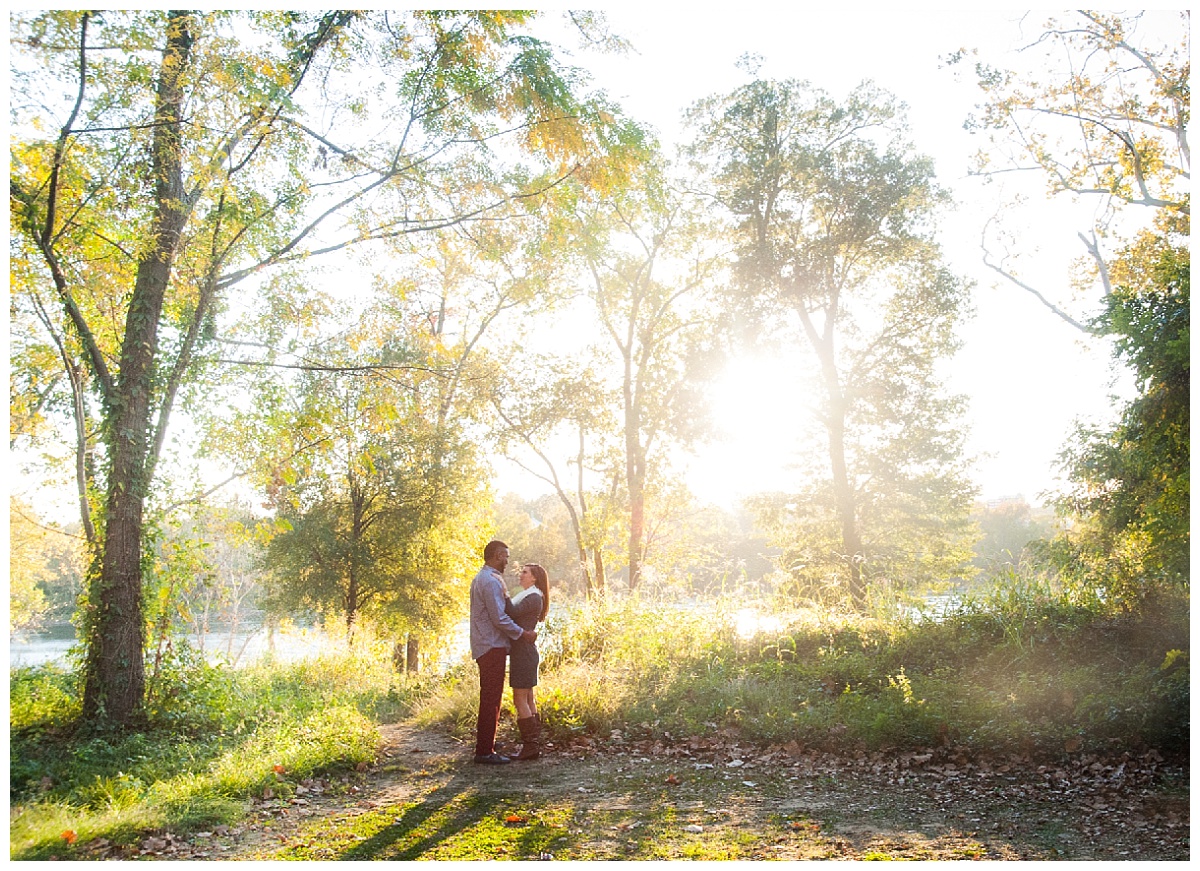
492, 548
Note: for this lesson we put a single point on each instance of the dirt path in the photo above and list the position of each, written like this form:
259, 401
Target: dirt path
713, 799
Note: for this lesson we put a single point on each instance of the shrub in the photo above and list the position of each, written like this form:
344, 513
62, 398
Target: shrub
1028, 667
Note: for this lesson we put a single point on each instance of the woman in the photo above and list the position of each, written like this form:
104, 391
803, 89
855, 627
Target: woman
527, 608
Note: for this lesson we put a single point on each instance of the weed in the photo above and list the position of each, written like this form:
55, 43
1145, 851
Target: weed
200, 757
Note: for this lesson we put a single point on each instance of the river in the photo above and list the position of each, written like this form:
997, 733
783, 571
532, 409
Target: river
242, 647
250, 644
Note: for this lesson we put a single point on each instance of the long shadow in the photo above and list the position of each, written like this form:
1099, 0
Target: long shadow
456, 807
447, 811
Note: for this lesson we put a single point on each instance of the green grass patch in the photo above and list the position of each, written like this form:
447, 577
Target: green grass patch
222, 738
456, 823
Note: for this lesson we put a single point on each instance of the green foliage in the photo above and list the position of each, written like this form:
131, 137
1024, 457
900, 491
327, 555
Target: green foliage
371, 488
1023, 668
1131, 485
43, 703
27, 570
215, 738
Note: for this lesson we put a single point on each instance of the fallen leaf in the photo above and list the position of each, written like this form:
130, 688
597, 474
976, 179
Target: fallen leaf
672, 779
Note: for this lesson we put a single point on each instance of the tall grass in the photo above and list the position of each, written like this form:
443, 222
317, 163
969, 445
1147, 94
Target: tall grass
1019, 669
214, 739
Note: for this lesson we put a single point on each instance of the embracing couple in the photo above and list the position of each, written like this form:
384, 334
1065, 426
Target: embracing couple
503, 629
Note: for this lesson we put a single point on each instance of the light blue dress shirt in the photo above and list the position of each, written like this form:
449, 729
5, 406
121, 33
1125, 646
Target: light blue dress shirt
490, 626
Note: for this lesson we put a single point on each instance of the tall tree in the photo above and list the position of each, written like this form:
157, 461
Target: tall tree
1106, 121
654, 267
467, 287
197, 149
832, 212
566, 406
375, 501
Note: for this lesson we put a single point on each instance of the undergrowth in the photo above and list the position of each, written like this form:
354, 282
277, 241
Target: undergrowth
218, 738
1023, 671
1028, 671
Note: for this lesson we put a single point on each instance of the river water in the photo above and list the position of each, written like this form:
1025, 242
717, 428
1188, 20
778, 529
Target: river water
241, 647
250, 644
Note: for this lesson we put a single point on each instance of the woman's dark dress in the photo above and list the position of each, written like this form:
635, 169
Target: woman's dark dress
523, 655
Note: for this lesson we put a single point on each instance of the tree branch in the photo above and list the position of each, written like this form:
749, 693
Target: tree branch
1032, 290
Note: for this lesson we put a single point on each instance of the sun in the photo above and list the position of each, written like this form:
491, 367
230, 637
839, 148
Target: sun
760, 416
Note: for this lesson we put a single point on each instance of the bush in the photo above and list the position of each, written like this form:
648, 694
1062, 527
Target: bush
1023, 667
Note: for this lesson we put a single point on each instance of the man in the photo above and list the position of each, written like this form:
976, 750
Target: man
491, 632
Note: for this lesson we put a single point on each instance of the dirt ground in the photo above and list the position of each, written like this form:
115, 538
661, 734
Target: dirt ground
713, 799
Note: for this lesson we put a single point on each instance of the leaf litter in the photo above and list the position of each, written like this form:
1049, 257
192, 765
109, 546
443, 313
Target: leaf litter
939, 803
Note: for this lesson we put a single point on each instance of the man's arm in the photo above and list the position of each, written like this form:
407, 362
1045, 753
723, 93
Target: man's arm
493, 601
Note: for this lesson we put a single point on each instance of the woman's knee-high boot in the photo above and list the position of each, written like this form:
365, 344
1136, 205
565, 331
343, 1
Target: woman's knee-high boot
530, 738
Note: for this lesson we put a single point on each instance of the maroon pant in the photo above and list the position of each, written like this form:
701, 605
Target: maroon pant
491, 694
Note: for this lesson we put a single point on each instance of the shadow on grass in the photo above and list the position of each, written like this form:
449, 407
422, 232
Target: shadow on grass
469, 817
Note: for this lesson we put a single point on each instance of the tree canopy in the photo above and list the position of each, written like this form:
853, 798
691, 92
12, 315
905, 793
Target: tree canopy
162, 159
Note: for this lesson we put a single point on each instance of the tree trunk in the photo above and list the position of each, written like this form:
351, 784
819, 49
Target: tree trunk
351, 606
601, 580
843, 488
581, 495
843, 492
635, 477
412, 663
114, 686
637, 525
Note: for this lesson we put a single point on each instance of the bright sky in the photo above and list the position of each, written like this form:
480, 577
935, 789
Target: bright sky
1029, 375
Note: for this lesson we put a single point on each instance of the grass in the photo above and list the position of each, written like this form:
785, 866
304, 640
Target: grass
457, 822
222, 738
1032, 673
